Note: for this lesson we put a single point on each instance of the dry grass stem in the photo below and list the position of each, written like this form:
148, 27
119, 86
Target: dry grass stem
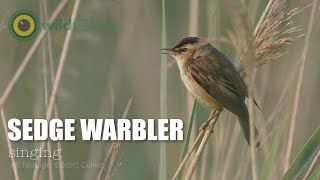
113, 150
28, 56
251, 72
14, 165
204, 141
115, 168
106, 158
46, 92
263, 17
25, 62
193, 31
52, 75
299, 85
49, 41
62, 59
312, 166
188, 154
252, 139
57, 78
116, 146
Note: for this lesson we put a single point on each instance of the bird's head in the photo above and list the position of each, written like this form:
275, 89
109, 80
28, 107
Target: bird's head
186, 49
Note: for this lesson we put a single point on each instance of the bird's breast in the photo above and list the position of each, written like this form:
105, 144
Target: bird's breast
198, 92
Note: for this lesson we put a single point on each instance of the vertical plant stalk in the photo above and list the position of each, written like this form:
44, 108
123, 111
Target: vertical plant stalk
193, 17
62, 60
29, 54
14, 165
252, 138
299, 86
49, 41
25, 62
163, 93
52, 75
193, 31
58, 78
50, 53
251, 80
46, 92
204, 141
251, 87
263, 16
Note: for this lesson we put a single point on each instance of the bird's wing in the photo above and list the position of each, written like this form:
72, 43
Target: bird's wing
211, 76
231, 73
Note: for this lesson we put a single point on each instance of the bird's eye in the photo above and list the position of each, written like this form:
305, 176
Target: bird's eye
183, 49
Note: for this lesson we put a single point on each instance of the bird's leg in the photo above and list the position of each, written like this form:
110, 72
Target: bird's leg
204, 126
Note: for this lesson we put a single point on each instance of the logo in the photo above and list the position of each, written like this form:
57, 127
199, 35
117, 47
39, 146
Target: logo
23, 25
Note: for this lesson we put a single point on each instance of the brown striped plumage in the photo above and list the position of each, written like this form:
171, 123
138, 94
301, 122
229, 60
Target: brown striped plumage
212, 79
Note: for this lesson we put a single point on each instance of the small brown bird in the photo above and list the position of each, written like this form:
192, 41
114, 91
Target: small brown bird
212, 79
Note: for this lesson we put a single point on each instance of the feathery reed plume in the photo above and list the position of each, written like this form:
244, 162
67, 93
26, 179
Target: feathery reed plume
274, 31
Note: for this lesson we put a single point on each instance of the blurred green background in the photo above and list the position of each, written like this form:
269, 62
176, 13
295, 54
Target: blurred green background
106, 67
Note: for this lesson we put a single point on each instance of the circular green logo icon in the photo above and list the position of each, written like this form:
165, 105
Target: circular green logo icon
23, 25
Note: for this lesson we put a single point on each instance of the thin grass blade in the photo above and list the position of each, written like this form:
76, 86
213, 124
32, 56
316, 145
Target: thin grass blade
163, 94
303, 158
187, 139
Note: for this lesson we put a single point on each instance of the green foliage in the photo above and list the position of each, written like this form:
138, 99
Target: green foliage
316, 174
163, 94
301, 161
187, 139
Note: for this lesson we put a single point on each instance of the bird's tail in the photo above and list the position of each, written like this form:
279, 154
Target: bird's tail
245, 126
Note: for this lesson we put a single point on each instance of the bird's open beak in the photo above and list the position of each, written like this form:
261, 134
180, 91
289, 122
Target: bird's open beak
166, 51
